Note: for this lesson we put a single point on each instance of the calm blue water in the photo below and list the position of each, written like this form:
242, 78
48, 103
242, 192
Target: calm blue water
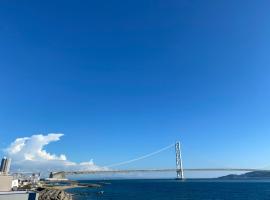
176, 190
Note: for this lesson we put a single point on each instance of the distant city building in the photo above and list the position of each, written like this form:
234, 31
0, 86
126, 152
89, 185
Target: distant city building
7, 183
5, 165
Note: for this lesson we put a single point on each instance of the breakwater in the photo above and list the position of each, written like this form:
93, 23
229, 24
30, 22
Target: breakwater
53, 194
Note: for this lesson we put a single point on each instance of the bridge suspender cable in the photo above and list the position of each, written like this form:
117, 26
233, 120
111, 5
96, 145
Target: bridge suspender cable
141, 157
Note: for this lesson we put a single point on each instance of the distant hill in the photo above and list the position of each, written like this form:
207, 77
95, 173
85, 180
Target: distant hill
249, 175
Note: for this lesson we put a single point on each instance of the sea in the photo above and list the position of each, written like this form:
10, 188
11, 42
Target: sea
161, 189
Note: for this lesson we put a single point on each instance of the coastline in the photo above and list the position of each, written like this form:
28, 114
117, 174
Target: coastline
59, 191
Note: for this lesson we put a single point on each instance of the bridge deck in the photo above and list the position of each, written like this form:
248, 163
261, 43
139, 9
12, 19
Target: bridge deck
160, 170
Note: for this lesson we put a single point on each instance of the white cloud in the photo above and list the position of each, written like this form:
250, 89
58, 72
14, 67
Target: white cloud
29, 154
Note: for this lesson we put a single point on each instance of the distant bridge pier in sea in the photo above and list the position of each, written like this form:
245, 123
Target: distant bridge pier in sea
179, 163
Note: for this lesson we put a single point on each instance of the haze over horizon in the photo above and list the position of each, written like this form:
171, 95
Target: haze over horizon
86, 84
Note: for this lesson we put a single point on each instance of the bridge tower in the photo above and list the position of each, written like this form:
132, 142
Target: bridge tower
179, 164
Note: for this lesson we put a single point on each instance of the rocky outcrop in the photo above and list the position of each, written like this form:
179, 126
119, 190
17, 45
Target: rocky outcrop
49, 194
90, 185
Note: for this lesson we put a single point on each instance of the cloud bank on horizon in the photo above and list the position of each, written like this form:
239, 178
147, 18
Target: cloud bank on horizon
29, 154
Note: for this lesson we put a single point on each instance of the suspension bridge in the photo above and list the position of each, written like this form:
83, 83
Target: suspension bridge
179, 169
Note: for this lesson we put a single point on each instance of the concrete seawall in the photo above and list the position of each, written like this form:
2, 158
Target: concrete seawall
47, 194
18, 196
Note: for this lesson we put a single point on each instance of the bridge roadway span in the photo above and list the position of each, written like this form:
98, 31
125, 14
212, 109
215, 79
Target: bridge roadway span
159, 170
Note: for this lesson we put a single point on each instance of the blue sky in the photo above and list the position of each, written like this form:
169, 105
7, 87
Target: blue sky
123, 78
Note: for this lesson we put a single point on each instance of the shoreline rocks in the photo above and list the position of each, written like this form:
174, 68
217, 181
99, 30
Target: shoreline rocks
53, 194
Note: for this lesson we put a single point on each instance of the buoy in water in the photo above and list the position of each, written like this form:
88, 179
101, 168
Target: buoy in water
101, 192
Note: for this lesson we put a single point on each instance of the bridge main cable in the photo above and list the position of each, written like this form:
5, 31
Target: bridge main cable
141, 157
